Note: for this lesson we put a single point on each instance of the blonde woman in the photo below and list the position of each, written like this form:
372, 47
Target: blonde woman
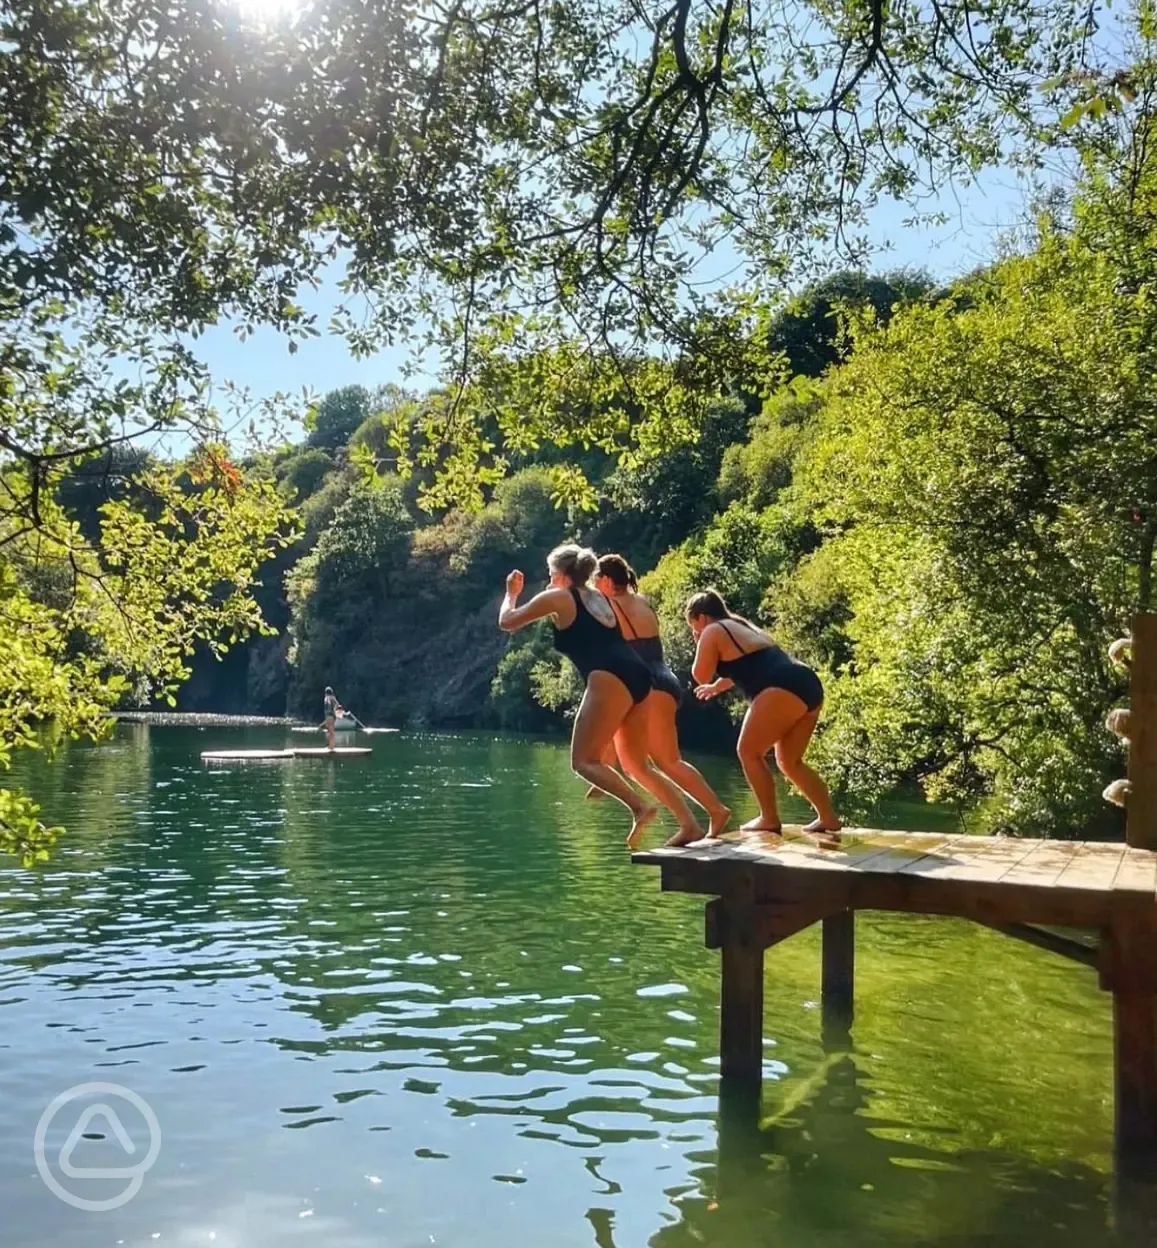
586, 630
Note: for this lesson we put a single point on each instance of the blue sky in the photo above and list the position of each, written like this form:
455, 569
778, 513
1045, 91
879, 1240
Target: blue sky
263, 365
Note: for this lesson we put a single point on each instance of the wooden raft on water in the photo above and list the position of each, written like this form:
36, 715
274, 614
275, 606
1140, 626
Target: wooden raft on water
765, 889
267, 756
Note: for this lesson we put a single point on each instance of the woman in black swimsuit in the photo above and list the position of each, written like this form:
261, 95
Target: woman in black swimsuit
786, 697
586, 630
616, 578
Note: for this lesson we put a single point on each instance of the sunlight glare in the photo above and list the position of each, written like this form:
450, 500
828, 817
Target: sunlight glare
264, 11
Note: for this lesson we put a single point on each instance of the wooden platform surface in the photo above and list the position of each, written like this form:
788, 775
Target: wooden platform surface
993, 879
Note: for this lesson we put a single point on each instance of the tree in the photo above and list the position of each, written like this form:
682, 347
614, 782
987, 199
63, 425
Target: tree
304, 472
87, 622
671, 494
539, 183
339, 415
988, 479
808, 331
346, 583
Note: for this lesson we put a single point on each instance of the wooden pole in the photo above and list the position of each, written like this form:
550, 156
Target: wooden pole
1135, 1078
741, 1008
1141, 816
837, 992
1129, 971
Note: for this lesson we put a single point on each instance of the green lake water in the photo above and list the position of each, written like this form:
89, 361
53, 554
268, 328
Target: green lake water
423, 998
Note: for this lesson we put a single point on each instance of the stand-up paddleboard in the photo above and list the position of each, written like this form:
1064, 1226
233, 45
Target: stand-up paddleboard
321, 751
272, 756
244, 756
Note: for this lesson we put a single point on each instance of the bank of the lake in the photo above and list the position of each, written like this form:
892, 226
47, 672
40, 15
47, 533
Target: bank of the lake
423, 998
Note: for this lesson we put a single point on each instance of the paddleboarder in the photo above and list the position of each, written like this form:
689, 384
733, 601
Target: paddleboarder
333, 709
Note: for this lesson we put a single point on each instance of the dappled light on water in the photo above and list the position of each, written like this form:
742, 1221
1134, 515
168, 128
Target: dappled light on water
423, 998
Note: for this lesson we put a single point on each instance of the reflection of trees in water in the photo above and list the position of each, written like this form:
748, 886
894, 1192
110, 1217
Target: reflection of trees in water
91, 788
828, 1172
346, 891
98, 792
527, 877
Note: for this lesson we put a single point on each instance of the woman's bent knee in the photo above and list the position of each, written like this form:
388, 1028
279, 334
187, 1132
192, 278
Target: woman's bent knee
749, 753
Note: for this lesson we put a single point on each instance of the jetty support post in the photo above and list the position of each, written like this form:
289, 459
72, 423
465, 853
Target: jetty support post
733, 928
741, 925
1129, 972
1141, 808
837, 992
1129, 948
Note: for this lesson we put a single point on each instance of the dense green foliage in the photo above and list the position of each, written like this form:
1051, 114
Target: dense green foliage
949, 518
535, 191
531, 192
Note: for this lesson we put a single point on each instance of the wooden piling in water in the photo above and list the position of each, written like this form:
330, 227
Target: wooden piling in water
1130, 964
837, 986
1141, 812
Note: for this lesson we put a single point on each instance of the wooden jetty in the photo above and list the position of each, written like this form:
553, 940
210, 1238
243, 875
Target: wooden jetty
764, 889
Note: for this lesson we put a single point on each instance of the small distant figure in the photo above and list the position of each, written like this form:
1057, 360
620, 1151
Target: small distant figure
333, 709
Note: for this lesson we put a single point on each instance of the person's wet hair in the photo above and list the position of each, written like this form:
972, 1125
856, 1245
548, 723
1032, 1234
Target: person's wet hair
575, 562
618, 571
709, 603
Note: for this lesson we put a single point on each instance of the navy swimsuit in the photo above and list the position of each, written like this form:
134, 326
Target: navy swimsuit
595, 647
771, 667
650, 650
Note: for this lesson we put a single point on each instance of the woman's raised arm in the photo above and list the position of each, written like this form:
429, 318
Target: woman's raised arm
512, 617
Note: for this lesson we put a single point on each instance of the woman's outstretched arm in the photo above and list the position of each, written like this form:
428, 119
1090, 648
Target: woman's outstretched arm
512, 617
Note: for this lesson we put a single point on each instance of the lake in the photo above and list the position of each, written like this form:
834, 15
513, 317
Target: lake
423, 998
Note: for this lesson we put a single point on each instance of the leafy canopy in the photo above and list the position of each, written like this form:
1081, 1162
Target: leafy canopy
541, 191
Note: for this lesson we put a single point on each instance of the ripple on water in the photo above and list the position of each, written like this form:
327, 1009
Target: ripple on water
325, 979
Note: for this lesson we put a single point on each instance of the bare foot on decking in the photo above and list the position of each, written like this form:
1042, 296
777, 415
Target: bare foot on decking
720, 818
827, 837
642, 819
817, 827
686, 836
594, 793
760, 824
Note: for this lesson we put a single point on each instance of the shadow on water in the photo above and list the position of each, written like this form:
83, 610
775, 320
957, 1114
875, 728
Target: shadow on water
824, 1171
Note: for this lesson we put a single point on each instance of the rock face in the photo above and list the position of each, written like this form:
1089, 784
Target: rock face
389, 674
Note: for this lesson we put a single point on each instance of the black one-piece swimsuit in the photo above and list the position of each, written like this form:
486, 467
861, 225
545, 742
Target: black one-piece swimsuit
650, 650
771, 667
595, 647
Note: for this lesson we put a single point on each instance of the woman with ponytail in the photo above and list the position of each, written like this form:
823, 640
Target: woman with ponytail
786, 697
586, 630
640, 626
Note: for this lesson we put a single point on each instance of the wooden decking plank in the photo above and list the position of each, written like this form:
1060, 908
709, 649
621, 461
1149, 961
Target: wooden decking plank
966, 857
1044, 864
799, 855
855, 853
1000, 856
902, 854
1137, 872
1094, 868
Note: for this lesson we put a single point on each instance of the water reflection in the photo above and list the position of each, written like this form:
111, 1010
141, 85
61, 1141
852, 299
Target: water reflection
827, 1170
422, 997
